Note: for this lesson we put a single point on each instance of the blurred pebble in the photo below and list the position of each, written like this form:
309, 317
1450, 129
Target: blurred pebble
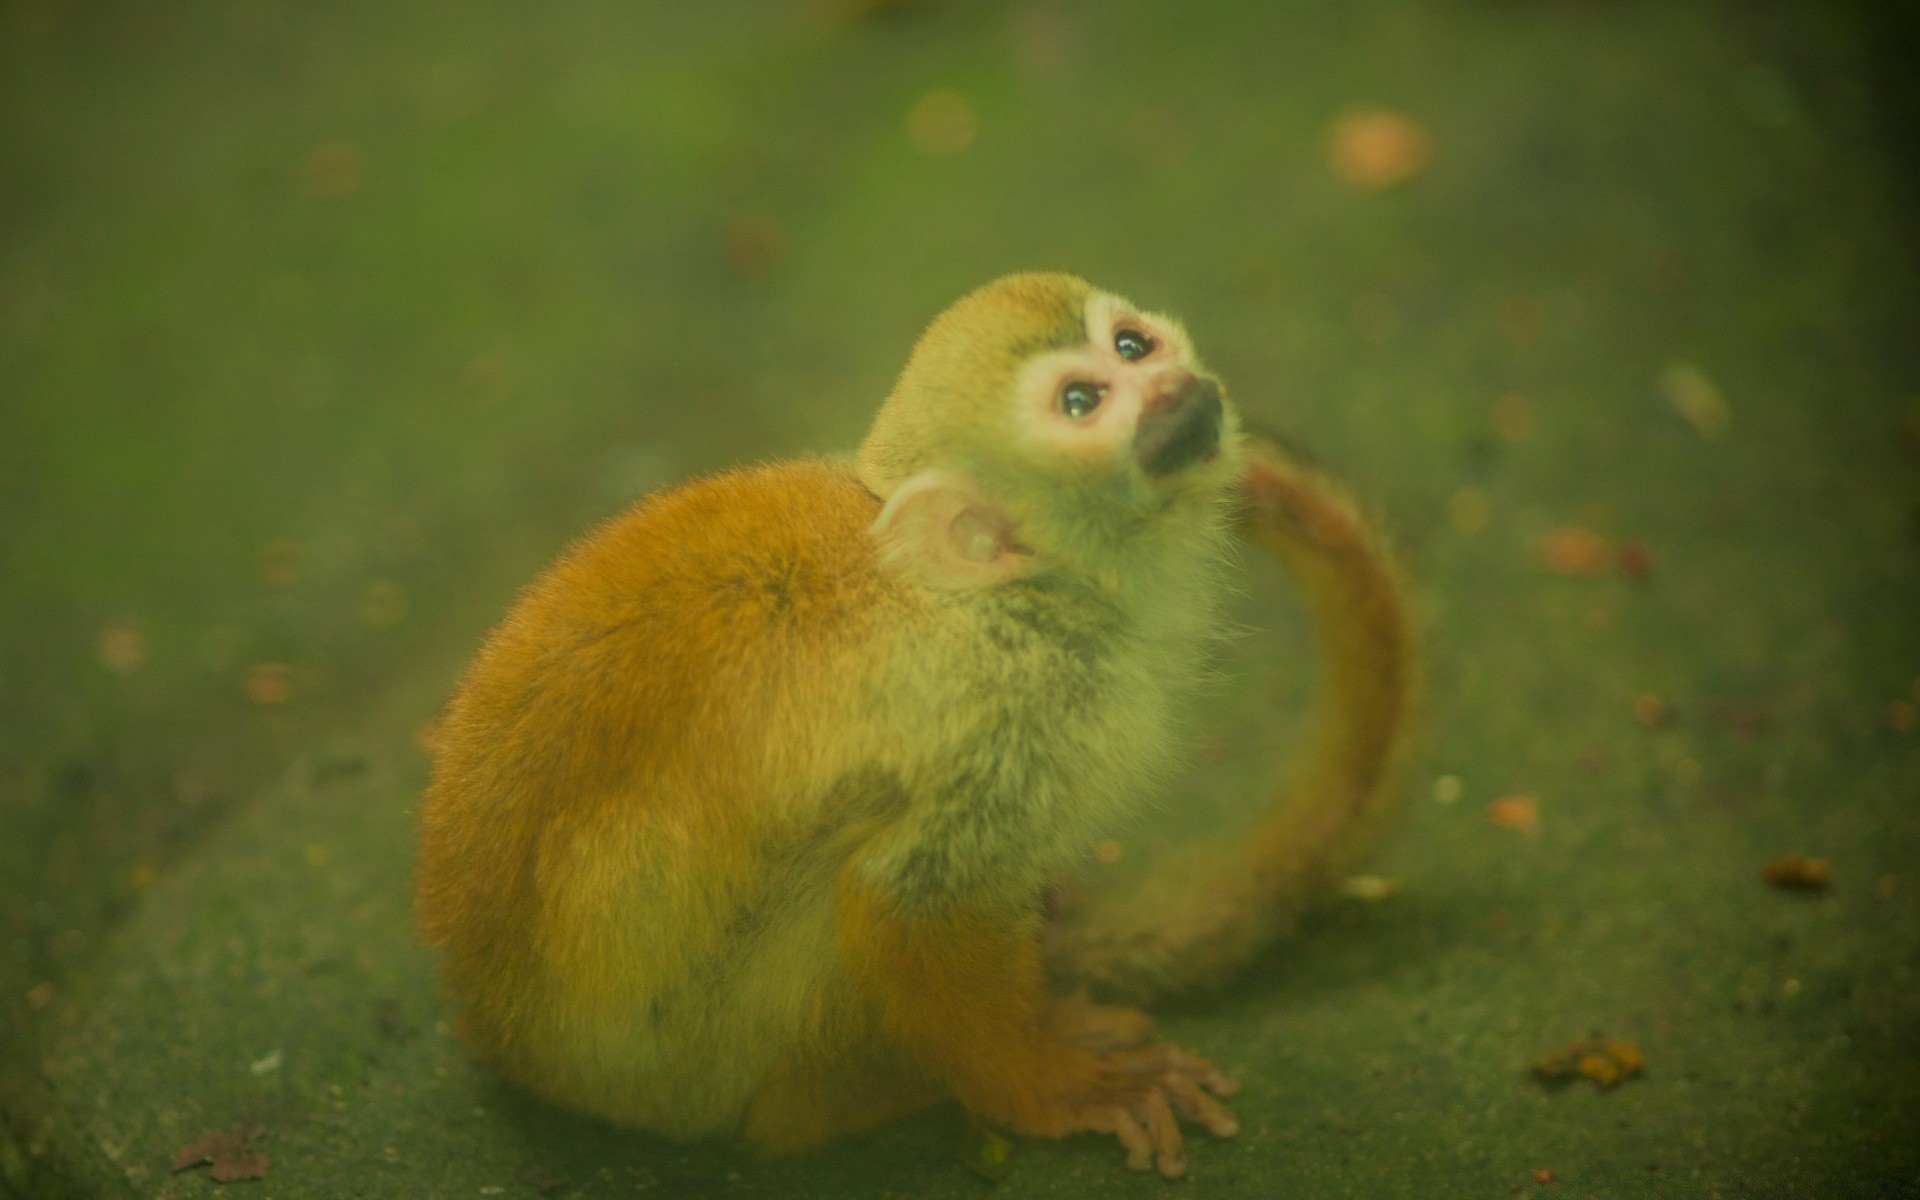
278, 563
1447, 789
122, 649
1797, 871
1576, 551
1900, 715
332, 170
1634, 558
1514, 418
1696, 399
1519, 812
1108, 852
753, 247
1468, 510
1375, 149
384, 605
1371, 888
942, 123
1650, 710
269, 683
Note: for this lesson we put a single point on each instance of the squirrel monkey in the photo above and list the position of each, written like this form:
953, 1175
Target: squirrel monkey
745, 818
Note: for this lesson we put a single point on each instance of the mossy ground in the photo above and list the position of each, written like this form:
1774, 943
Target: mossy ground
320, 331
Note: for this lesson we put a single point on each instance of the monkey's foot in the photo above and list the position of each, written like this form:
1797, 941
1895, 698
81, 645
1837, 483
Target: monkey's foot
1141, 1091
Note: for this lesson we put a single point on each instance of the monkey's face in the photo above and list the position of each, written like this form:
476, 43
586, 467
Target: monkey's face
1131, 403
1043, 424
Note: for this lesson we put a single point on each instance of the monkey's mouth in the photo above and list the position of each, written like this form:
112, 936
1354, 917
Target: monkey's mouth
1179, 429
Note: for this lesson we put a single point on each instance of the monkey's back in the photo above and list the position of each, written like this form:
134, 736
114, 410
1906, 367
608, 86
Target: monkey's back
634, 742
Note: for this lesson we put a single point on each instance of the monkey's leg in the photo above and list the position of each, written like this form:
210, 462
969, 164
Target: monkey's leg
818, 1097
1098, 1027
964, 992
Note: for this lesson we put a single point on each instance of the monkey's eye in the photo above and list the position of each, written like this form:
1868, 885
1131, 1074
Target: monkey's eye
1132, 344
1079, 398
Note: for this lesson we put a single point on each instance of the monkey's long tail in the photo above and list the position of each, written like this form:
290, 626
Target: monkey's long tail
1202, 914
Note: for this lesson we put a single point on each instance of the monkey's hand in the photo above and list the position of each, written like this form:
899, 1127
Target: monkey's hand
1131, 1090
963, 993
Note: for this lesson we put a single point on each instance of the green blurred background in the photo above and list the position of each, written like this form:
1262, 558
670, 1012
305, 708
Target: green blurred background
321, 329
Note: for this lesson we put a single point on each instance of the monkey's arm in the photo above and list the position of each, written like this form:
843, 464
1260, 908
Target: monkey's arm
962, 992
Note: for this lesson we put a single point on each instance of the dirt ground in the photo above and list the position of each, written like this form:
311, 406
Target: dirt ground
320, 331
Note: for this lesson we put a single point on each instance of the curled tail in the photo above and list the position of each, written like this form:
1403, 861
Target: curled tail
1203, 913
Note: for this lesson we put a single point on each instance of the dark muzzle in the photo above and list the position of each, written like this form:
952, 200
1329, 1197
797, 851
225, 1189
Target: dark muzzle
1180, 428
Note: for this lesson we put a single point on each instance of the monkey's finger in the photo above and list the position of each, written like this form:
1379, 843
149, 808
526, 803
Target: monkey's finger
1169, 1149
1198, 1069
1120, 1123
1167, 1058
1196, 1105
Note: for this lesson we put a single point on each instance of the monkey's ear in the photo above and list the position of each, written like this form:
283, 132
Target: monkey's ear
940, 530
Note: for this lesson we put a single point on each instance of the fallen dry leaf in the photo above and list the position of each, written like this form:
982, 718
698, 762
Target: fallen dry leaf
1542, 1176
1518, 812
1634, 558
231, 1153
1901, 715
1650, 710
269, 683
1606, 1061
1376, 149
1797, 871
1108, 851
122, 649
1576, 551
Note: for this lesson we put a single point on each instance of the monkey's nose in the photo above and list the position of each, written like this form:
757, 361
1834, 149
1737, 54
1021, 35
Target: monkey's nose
1179, 428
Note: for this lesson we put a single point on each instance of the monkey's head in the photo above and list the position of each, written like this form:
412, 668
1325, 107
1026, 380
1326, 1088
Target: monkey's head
1039, 424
